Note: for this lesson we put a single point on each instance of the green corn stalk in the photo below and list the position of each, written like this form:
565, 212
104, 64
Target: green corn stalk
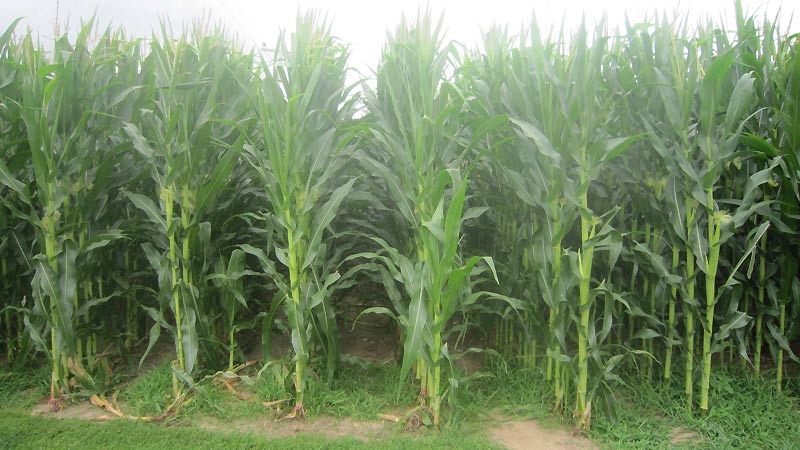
775, 135
531, 104
421, 151
55, 113
673, 298
304, 107
760, 305
727, 96
228, 278
189, 138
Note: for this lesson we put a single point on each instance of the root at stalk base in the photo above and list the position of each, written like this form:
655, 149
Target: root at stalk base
298, 412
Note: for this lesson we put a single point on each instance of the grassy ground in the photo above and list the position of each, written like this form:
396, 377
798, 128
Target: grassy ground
20, 431
747, 413
359, 394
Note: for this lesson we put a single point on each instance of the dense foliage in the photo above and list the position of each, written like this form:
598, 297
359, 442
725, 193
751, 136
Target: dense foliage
593, 201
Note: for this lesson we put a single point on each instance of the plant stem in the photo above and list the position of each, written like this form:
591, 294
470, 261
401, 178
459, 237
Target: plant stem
688, 305
714, 231
762, 282
173, 262
585, 265
779, 363
294, 281
671, 315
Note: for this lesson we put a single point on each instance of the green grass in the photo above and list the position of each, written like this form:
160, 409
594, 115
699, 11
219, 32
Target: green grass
147, 394
23, 387
19, 431
749, 413
360, 393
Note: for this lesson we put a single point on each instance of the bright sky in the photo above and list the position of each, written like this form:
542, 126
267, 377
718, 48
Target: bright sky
363, 23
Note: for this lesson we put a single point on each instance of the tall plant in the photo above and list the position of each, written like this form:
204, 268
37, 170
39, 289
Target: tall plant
421, 152
299, 154
190, 141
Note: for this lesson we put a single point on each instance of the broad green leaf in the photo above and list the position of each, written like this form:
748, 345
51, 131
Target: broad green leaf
149, 208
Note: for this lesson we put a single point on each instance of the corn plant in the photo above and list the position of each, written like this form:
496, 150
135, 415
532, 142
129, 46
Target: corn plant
228, 278
540, 177
298, 155
60, 108
15, 233
634, 189
189, 140
546, 95
698, 88
772, 133
419, 163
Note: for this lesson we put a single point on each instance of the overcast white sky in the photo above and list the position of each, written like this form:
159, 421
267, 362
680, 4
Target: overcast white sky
362, 23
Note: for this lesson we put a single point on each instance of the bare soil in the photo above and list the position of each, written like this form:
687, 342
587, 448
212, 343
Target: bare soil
530, 435
678, 436
83, 411
328, 427
512, 434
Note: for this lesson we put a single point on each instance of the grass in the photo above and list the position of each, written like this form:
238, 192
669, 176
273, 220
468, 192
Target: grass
22, 387
147, 394
20, 431
750, 413
360, 393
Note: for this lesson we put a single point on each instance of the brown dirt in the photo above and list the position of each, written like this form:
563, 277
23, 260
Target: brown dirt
514, 435
83, 411
328, 427
678, 436
530, 435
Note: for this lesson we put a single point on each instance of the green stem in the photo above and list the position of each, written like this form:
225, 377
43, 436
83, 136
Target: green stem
632, 285
746, 310
779, 375
231, 344
714, 230
762, 282
554, 312
647, 293
688, 305
185, 211
294, 281
671, 316
50, 251
173, 262
437, 377
585, 265
129, 314
9, 333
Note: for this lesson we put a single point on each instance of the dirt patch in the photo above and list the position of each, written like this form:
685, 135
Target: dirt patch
83, 411
679, 435
530, 435
328, 427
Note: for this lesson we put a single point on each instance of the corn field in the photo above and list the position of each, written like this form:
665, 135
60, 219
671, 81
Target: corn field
596, 203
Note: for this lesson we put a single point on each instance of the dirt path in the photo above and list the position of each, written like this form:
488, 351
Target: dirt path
82, 410
512, 434
328, 427
530, 435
